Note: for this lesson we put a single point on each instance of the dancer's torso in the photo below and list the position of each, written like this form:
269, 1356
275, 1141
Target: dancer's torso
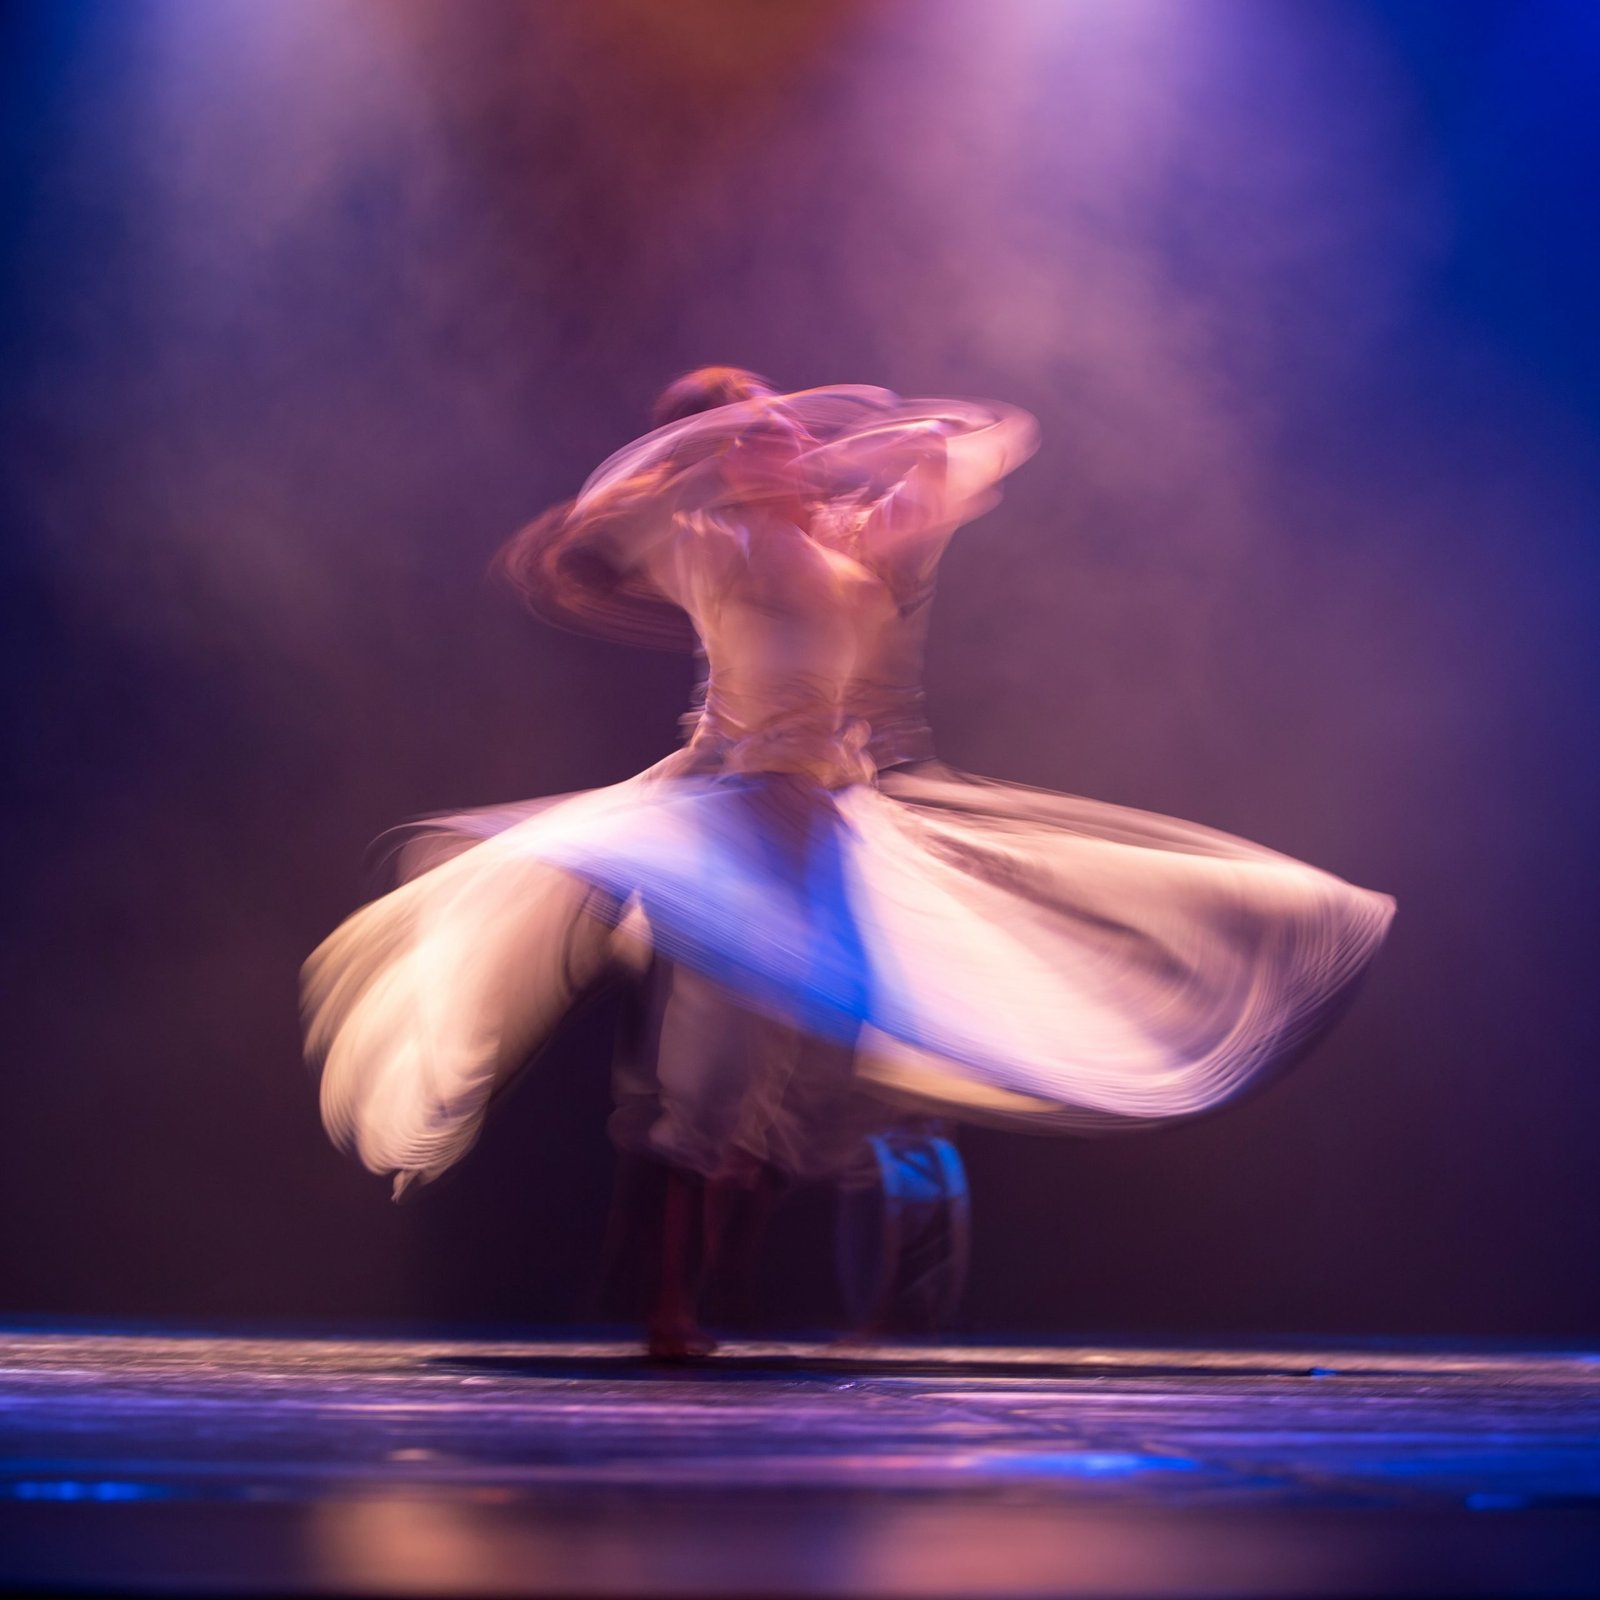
813, 662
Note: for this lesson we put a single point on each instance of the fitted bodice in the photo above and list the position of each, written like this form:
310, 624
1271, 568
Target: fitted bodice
884, 694
787, 625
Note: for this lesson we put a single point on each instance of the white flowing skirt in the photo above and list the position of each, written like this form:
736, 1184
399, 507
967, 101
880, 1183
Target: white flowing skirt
976, 949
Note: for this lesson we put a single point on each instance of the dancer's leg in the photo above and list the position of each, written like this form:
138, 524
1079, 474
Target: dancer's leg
674, 1333
735, 1217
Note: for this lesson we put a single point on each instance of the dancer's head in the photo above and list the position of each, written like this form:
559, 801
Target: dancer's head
704, 389
756, 442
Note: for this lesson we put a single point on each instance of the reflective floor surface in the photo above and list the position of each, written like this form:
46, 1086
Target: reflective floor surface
197, 1464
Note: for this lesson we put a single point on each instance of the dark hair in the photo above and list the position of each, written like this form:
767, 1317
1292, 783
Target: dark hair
704, 389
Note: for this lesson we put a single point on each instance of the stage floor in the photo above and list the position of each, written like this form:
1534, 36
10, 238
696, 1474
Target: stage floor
190, 1464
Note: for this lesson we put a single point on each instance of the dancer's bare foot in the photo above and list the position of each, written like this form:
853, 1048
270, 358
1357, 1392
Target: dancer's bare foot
678, 1339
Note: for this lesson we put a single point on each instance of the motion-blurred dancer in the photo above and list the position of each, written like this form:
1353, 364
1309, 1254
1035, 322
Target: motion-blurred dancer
710, 1226
845, 922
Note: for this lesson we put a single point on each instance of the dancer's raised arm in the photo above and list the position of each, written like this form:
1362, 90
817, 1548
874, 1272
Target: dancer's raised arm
919, 475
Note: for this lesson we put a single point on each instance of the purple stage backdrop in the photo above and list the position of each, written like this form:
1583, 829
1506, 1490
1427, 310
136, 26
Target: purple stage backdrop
306, 305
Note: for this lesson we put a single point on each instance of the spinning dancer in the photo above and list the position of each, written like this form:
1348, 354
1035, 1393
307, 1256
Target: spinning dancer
844, 922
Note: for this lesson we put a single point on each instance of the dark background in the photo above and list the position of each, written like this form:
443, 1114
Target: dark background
307, 305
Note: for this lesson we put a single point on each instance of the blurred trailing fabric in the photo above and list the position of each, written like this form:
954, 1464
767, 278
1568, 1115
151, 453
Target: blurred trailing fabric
853, 928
